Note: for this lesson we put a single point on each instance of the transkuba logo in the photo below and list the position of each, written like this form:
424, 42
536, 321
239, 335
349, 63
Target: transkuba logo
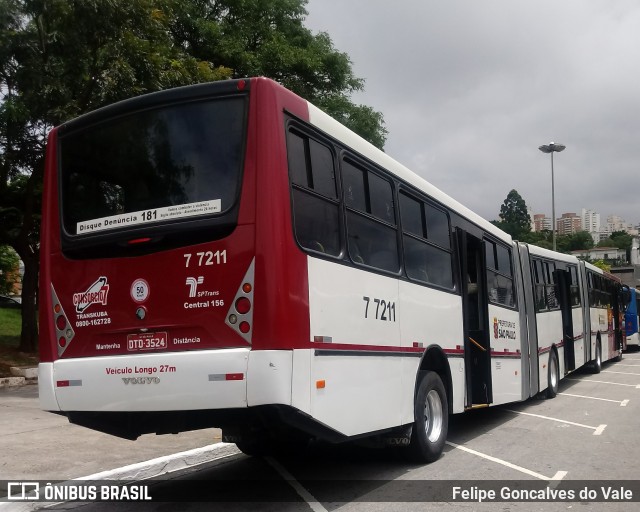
97, 293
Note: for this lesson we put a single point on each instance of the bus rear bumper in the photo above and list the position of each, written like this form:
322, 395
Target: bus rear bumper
169, 392
172, 381
46, 388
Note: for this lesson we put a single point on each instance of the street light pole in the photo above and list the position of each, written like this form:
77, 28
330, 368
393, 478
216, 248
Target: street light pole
552, 148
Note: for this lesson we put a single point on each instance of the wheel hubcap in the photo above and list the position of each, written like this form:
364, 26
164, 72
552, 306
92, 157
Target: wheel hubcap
433, 416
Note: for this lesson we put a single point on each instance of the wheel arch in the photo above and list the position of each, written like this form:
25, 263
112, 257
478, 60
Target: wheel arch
434, 359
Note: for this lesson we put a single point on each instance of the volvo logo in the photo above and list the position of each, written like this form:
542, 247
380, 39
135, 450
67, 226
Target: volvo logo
141, 380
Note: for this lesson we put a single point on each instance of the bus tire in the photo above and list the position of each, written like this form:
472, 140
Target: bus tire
596, 367
431, 415
553, 375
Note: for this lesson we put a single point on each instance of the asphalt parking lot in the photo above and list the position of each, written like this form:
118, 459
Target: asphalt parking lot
584, 437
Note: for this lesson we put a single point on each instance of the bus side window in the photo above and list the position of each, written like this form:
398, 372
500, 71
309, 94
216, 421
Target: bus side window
551, 286
541, 301
315, 200
371, 218
499, 274
426, 242
574, 288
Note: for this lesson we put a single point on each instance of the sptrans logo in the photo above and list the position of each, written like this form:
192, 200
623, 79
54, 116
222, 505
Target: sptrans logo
96, 294
193, 283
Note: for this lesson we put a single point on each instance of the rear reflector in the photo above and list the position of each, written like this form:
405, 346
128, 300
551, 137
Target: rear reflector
218, 377
68, 383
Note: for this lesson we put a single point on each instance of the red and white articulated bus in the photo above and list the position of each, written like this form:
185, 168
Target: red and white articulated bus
228, 255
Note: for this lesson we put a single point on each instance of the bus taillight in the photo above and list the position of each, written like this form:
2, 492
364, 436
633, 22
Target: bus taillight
240, 314
243, 305
64, 331
61, 322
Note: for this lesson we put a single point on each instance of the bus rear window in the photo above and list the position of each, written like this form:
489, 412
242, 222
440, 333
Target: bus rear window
177, 162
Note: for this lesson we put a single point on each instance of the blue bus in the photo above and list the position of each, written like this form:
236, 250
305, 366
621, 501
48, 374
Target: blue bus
631, 319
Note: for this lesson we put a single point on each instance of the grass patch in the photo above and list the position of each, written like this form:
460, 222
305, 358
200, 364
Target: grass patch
10, 327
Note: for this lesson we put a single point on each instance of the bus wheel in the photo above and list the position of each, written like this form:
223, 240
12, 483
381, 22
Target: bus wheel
553, 378
597, 362
431, 413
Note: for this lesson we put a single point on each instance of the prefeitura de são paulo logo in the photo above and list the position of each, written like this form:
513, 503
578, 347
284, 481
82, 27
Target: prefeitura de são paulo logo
95, 294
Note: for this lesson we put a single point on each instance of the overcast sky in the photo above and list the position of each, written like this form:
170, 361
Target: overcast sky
470, 88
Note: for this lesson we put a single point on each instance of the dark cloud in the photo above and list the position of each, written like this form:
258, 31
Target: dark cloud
469, 90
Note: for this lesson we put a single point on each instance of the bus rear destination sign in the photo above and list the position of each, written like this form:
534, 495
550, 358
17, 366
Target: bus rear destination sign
153, 215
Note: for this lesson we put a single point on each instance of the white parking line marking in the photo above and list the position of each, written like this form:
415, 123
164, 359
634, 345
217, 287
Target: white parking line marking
621, 373
314, 504
633, 365
622, 403
637, 386
558, 476
597, 430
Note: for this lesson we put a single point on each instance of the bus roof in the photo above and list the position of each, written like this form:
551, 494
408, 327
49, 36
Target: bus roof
552, 255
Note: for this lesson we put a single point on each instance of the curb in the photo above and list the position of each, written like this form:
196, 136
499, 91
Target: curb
166, 464
10, 382
21, 377
28, 372
141, 471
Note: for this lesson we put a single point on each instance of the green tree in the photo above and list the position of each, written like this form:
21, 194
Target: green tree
581, 240
8, 268
564, 243
619, 239
601, 264
539, 238
514, 217
268, 38
61, 58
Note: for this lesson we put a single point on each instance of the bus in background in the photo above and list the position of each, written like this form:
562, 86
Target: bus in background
555, 315
607, 299
631, 319
228, 255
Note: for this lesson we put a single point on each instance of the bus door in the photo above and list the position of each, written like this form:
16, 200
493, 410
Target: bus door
562, 278
477, 350
620, 298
